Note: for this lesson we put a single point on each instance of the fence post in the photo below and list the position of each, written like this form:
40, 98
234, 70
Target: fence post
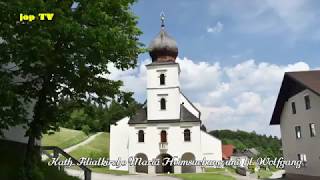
87, 175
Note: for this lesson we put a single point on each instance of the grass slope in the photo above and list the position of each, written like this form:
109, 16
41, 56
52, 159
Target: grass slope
64, 138
12, 155
98, 147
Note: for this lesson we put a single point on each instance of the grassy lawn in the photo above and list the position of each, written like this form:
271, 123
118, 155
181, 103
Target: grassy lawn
203, 176
98, 147
264, 174
12, 155
64, 138
215, 170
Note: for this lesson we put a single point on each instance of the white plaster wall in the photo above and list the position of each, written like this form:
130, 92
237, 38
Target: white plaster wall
175, 137
17, 133
119, 142
211, 147
189, 106
306, 145
172, 97
170, 71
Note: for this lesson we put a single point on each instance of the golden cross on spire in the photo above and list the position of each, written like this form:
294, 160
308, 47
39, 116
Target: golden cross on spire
162, 19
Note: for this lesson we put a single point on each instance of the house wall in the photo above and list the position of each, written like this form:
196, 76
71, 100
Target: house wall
175, 139
17, 133
306, 145
119, 142
211, 147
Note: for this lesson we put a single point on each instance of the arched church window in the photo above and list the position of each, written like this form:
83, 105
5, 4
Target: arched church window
163, 136
140, 136
187, 135
162, 103
162, 79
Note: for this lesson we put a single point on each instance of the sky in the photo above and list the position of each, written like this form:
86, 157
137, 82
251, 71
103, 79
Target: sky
232, 54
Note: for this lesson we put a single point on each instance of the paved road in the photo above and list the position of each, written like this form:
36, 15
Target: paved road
99, 176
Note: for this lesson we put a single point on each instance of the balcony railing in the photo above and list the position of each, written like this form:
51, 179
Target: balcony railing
163, 146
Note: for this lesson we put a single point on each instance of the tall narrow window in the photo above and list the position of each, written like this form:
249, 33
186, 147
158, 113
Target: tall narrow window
162, 79
163, 136
293, 107
187, 135
298, 132
312, 127
307, 101
303, 158
162, 103
140, 136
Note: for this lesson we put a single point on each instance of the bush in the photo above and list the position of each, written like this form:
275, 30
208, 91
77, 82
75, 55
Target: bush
252, 168
86, 129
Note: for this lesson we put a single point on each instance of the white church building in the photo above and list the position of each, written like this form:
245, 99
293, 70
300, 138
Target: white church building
168, 124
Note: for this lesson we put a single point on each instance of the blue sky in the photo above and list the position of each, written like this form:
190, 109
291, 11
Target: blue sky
232, 54
277, 32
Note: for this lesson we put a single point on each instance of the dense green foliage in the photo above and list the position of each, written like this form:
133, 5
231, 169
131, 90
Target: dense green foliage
268, 146
92, 118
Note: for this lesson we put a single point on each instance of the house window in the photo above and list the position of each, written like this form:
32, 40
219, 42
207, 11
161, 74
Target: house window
307, 101
187, 135
163, 136
312, 127
298, 132
162, 103
141, 136
303, 158
293, 107
162, 79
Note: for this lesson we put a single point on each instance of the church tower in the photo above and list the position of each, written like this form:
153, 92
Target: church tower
168, 125
163, 91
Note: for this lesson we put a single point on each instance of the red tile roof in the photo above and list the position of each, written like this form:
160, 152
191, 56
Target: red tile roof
227, 151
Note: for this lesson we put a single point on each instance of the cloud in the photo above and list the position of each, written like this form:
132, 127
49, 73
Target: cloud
293, 17
216, 29
230, 97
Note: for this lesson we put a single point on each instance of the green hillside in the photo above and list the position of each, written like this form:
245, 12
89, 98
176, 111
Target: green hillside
64, 138
267, 145
98, 147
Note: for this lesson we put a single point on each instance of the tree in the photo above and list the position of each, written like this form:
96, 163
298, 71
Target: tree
96, 118
66, 58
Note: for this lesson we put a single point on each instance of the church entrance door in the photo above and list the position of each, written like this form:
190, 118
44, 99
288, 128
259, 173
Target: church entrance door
165, 166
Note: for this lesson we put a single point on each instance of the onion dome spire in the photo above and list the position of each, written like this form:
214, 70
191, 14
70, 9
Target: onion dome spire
163, 48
